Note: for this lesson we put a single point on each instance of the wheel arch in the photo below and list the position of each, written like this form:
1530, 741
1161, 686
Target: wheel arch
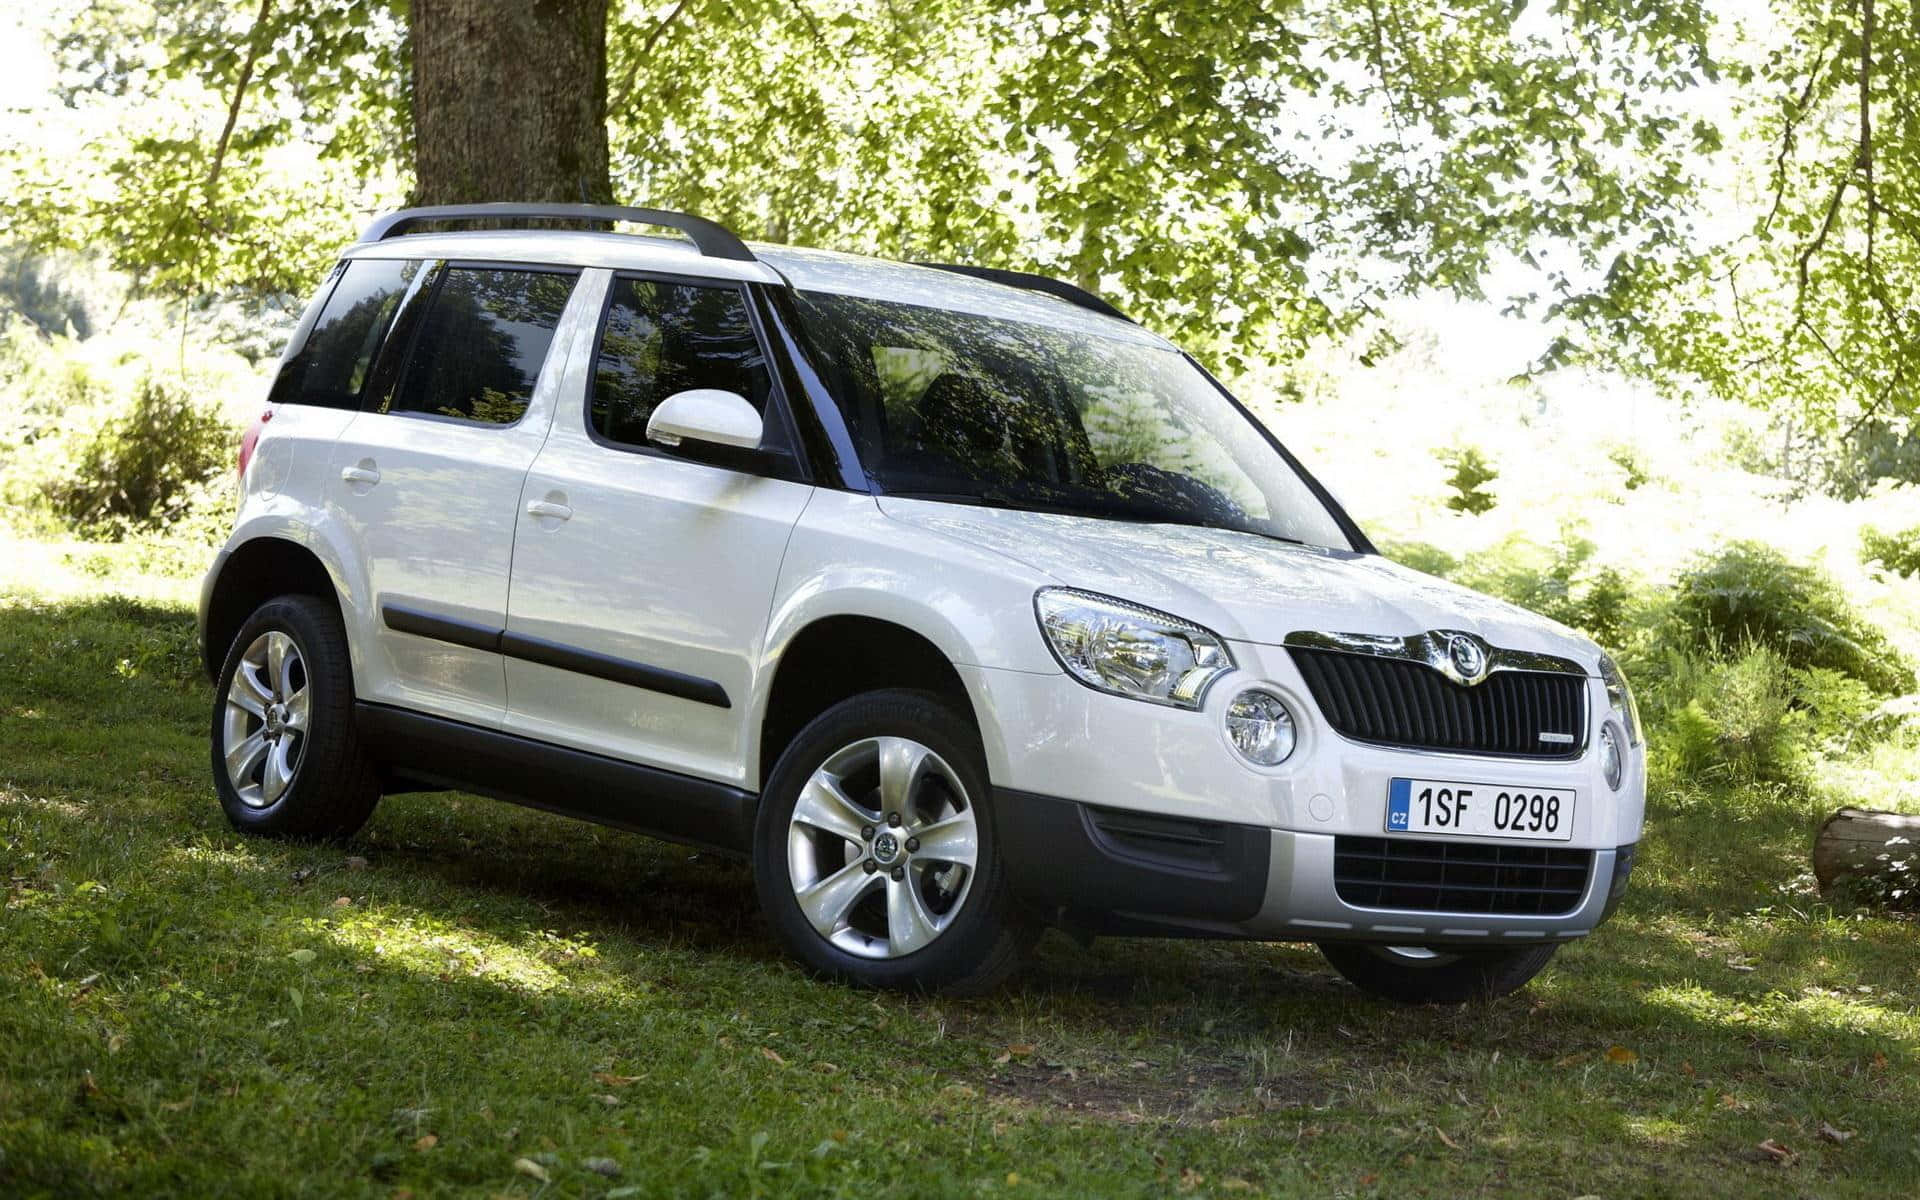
834, 657
249, 575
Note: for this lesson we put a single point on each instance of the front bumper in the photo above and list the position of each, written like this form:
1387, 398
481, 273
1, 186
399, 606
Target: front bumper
1112, 871
1243, 851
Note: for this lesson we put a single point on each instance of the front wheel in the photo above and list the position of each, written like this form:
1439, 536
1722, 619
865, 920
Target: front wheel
874, 851
1421, 975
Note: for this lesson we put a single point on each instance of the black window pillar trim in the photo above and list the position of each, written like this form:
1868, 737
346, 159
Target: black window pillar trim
558, 655
823, 431
1357, 536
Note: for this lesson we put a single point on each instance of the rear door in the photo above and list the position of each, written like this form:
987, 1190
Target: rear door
426, 480
643, 576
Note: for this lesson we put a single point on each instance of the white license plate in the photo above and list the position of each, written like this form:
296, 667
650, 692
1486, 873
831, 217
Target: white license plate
1482, 810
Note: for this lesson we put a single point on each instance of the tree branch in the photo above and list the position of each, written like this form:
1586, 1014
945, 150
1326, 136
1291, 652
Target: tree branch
632, 75
1864, 159
239, 94
1789, 134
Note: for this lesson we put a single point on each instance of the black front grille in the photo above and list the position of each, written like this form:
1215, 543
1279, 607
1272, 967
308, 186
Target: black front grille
1525, 881
1396, 702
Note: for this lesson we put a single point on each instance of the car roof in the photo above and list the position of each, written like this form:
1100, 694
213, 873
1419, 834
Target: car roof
807, 270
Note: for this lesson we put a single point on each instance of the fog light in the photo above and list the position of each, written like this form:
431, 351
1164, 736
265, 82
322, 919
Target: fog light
1613, 764
1261, 728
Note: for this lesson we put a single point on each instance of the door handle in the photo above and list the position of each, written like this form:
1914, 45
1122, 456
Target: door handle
361, 472
548, 509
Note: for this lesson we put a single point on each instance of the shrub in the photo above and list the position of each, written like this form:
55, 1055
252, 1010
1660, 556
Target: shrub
1560, 582
1729, 716
1471, 474
1746, 593
1895, 552
139, 462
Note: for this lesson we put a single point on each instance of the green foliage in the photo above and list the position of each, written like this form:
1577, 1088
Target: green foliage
139, 465
1749, 593
1239, 181
1729, 717
1796, 292
1896, 552
1628, 460
1562, 582
1470, 472
101, 438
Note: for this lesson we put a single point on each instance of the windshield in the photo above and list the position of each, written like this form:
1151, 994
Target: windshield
955, 406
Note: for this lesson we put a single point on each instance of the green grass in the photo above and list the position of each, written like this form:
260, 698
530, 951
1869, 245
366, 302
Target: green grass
185, 1011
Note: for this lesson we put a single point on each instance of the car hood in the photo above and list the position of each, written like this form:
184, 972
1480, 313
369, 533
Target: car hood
1245, 587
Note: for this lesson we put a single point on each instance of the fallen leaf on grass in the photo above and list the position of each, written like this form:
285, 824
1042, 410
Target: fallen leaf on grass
1620, 1054
303, 957
532, 1170
1773, 1152
343, 902
1838, 1137
602, 1166
356, 863
772, 1055
610, 1101
426, 1141
1444, 1139
611, 1080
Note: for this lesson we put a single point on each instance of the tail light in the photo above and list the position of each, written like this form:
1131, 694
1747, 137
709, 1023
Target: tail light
250, 439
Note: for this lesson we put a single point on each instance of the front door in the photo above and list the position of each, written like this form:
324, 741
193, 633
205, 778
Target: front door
642, 578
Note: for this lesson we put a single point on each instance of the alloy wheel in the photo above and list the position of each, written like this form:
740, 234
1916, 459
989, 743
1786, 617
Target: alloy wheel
264, 728
882, 847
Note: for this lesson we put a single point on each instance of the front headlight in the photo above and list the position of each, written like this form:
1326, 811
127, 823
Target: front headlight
1620, 698
1122, 648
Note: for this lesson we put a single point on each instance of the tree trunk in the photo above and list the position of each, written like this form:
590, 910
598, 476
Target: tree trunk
510, 101
1879, 850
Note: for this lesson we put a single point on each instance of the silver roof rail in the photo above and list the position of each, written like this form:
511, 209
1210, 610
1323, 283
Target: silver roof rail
712, 239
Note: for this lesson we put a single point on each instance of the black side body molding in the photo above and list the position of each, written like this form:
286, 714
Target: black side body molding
554, 654
1111, 870
619, 670
441, 629
608, 791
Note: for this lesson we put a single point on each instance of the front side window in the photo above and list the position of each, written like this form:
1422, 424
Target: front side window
480, 344
331, 368
970, 408
661, 338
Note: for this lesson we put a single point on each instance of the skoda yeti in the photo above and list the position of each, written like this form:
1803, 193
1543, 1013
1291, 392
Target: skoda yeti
952, 598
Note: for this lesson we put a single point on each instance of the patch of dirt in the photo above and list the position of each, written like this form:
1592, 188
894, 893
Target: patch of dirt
1140, 1093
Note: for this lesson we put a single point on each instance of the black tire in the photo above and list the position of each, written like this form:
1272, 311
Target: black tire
334, 785
1449, 977
988, 935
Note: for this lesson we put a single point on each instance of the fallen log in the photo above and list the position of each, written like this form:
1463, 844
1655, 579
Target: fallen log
1879, 851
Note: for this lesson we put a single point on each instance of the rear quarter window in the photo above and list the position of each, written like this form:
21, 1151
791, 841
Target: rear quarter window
330, 368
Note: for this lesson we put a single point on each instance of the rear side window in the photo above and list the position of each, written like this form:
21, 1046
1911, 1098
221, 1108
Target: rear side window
661, 338
331, 368
479, 346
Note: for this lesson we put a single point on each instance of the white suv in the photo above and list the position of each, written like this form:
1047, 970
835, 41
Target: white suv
956, 600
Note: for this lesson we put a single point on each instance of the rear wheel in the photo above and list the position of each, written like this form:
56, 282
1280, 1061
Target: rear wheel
874, 852
286, 756
1423, 975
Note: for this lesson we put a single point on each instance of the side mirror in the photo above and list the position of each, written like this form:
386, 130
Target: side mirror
709, 415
